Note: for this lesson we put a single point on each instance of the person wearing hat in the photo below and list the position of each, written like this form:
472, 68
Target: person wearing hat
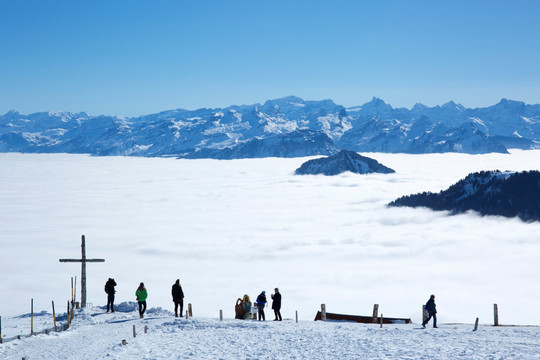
276, 304
109, 289
261, 303
178, 297
141, 295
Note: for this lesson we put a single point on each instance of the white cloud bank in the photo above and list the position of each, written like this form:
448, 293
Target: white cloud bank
227, 228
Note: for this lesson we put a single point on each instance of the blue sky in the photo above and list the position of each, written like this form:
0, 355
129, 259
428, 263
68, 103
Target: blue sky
133, 57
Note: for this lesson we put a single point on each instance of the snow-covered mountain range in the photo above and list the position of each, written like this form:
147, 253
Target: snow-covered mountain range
285, 127
505, 193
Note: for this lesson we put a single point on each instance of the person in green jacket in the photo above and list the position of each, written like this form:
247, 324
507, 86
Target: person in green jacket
141, 295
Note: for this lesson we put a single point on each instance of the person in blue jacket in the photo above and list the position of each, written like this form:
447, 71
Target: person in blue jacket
261, 303
432, 311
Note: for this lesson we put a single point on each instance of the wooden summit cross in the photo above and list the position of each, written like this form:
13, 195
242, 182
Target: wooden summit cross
83, 260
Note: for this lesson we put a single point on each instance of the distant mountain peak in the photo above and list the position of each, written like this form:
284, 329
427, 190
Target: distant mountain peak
452, 105
343, 161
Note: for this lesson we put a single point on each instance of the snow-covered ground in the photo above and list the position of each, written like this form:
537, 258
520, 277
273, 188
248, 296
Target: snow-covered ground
96, 335
227, 228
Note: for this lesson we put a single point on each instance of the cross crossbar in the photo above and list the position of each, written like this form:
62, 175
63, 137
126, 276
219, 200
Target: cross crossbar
83, 260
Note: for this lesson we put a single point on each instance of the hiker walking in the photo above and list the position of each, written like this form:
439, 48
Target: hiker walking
178, 298
276, 304
109, 289
261, 303
141, 295
432, 311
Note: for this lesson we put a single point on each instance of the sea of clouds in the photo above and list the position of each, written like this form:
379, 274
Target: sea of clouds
227, 228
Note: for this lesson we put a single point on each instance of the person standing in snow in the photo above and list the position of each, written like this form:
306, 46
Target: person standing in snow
246, 303
432, 311
178, 297
141, 295
276, 304
261, 303
109, 289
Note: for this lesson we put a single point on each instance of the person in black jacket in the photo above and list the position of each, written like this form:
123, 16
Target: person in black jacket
178, 297
276, 304
109, 289
261, 303
432, 311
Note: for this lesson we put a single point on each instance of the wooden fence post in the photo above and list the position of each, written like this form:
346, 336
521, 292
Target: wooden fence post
476, 325
72, 299
382, 316
54, 316
68, 316
134, 333
297, 316
145, 329
496, 314
375, 313
189, 310
220, 315
32, 317
323, 312
425, 314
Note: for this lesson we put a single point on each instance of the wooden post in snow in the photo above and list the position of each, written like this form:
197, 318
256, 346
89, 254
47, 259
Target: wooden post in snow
134, 333
496, 314
425, 314
375, 313
32, 317
68, 316
323, 312
145, 329
54, 316
382, 316
476, 324
297, 316
220, 315
189, 310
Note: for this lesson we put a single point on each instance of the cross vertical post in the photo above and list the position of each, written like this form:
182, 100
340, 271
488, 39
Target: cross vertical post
83, 260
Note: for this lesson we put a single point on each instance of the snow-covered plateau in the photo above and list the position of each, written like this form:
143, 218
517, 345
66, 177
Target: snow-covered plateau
96, 335
229, 228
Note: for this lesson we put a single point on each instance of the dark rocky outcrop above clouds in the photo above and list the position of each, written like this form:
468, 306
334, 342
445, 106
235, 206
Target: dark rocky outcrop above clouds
506, 193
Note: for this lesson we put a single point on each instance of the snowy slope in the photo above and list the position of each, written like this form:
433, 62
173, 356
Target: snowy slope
95, 335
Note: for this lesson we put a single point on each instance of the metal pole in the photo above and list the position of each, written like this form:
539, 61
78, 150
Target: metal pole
83, 273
